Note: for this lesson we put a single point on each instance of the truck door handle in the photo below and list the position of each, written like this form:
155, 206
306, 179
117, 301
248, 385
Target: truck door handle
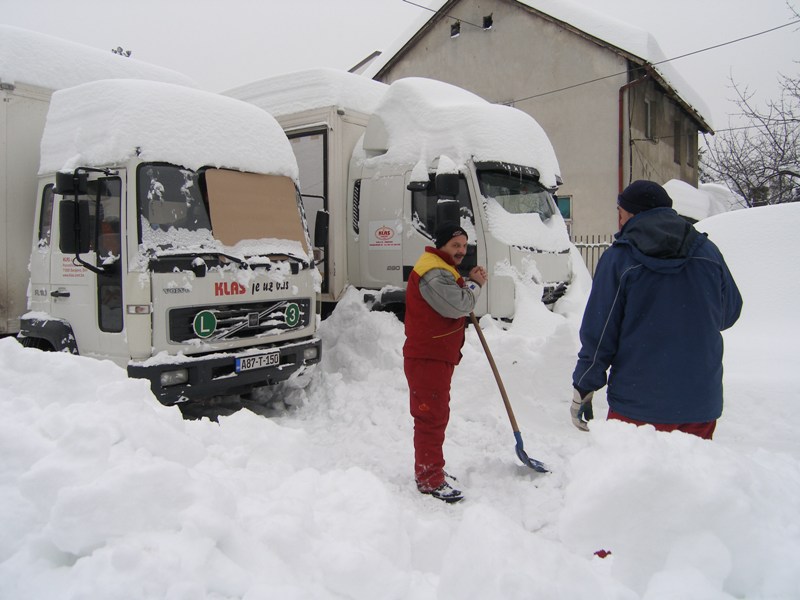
59, 294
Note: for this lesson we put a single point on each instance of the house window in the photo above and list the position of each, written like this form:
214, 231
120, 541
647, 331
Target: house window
564, 204
676, 141
691, 147
648, 119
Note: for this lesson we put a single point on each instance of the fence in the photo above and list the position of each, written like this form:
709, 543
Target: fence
591, 248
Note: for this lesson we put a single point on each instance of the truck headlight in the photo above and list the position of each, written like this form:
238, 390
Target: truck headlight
310, 353
175, 377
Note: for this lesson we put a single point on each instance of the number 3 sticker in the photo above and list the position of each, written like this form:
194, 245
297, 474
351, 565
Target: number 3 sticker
292, 315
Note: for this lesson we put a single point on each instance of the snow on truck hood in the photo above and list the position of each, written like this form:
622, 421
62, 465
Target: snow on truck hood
419, 119
111, 121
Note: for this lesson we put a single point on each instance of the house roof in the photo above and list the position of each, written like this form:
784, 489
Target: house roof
635, 44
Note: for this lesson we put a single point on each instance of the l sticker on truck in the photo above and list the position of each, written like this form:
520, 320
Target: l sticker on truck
205, 324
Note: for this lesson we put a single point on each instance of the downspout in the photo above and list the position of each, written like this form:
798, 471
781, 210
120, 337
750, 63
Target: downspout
622, 90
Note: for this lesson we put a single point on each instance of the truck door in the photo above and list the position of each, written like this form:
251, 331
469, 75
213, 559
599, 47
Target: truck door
311, 150
93, 303
381, 212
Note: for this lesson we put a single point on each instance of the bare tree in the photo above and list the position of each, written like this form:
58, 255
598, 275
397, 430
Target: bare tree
760, 161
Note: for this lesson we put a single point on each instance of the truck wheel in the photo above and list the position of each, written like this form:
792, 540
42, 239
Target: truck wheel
37, 343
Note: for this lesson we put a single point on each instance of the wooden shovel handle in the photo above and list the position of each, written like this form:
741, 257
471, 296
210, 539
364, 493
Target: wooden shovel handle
500, 385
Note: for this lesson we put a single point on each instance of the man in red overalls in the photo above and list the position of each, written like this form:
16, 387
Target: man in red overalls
437, 303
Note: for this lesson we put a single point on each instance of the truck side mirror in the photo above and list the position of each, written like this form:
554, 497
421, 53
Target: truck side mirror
321, 229
447, 211
417, 186
447, 185
73, 230
71, 183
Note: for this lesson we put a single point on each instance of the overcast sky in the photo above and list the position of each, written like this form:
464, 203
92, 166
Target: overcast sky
227, 43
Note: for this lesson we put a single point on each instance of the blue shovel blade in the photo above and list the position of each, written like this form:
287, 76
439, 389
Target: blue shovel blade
527, 460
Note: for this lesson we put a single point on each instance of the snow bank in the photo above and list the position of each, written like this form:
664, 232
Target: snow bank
108, 122
312, 89
104, 493
424, 118
53, 63
756, 244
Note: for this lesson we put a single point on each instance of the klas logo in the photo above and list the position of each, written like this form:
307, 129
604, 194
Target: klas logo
384, 233
223, 288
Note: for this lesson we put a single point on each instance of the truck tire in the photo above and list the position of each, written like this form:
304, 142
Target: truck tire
37, 343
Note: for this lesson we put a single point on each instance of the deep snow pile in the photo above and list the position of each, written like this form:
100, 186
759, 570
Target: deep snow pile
106, 494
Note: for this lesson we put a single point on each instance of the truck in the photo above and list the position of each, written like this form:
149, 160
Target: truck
168, 237
381, 166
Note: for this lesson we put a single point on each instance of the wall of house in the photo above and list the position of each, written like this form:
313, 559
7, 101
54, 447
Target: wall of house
523, 55
667, 147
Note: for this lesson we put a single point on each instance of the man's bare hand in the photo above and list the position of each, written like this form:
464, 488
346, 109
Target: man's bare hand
478, 275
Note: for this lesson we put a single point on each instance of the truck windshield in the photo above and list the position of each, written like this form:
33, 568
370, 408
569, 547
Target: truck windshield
171, 207
219, 210
516, 192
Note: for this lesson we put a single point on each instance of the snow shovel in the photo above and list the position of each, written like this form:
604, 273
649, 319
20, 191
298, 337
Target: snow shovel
526, 460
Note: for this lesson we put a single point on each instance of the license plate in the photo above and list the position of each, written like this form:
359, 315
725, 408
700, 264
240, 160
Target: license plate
258, 361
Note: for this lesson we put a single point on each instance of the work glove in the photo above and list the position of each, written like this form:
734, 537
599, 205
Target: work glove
581, 409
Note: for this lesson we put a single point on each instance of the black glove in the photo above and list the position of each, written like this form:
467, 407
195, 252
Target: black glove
581, 409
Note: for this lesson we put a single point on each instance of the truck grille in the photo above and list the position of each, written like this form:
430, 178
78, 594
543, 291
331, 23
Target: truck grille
237, 321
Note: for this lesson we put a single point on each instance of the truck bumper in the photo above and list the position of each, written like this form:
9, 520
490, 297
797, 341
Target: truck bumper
215, 375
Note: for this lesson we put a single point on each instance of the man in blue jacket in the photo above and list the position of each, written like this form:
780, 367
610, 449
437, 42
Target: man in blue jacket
661, 296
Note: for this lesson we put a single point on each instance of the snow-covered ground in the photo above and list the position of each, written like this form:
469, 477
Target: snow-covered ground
104, 493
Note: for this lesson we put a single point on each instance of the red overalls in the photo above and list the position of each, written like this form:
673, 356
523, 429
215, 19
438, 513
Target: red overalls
431, 352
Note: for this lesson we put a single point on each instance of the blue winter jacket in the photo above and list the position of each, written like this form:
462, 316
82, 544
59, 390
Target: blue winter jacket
661, 295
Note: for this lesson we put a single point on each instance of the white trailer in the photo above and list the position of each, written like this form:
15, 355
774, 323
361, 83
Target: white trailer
369, 155
32, 66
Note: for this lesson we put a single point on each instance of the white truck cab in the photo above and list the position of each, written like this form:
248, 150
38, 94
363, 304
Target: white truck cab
170, 238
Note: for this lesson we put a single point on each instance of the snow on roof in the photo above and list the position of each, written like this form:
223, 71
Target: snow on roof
723, 196
312, 89
425, 118
624, 36
692, 202
53, 63
108, 122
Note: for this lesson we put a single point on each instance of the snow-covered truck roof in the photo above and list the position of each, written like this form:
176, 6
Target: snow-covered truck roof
28, 57
312, 89
421, 119
111, 121
414, 118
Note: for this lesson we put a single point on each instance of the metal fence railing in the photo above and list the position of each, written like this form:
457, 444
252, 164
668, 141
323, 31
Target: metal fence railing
591, 248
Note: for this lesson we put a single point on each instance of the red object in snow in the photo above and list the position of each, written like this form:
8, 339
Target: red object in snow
603, 553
